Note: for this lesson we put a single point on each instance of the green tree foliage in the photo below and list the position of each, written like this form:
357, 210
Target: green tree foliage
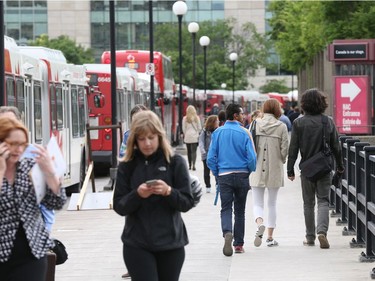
301, 29
250, 46
274, 86
73, 53
297, 31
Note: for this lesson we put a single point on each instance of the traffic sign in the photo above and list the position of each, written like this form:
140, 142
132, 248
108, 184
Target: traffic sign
150, 69
353, 107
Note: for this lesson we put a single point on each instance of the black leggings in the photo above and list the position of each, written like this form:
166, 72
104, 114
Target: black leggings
22, 265
206, 174
192, 153
145, 265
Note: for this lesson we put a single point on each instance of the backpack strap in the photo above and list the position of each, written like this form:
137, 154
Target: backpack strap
250, 136
325, 146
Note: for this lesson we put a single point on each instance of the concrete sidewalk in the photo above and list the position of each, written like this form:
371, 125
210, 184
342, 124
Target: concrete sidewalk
93, 242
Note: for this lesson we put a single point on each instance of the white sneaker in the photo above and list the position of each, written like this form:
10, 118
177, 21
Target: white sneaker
208, 190
259, 235
272, 243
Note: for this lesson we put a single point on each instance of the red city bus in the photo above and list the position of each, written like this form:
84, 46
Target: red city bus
100, 102
165, 97
282, 98
137, 60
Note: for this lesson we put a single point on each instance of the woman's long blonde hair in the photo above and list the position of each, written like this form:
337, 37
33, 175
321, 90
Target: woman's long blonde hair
191, 114
147, 122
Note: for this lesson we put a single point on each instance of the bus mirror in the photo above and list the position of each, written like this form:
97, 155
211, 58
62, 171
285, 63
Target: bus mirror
99, 101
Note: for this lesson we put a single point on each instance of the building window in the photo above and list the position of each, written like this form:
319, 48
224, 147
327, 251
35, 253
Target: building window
26, 4
218, 5
97, 6
40, 4
27, 31
12, 4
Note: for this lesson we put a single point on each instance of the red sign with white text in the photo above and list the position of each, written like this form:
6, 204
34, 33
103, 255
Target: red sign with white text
353, 106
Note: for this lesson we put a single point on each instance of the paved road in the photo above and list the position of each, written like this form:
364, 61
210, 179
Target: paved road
92, 238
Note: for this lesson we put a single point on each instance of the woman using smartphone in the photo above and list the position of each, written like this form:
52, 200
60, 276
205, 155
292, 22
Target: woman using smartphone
152, 189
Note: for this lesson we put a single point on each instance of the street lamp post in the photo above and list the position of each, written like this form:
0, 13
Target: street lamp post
204, 41
193, 28
233, 57
151, 32
180, 9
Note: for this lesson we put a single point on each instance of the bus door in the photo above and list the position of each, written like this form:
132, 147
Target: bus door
25, 106
36, 101
63, 118
127, 109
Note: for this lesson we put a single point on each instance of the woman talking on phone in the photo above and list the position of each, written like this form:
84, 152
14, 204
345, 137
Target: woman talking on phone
24, 240
152, 189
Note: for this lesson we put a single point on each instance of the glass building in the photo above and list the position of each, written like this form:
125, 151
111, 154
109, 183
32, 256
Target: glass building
132, 19
25, 20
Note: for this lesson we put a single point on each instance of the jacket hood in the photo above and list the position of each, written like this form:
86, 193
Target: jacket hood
268, 125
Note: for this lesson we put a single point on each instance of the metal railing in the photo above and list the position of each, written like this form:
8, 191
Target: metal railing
353, 200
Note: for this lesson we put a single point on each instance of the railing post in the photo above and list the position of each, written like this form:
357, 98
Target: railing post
346, 180
354, 196
369, 255
335, 196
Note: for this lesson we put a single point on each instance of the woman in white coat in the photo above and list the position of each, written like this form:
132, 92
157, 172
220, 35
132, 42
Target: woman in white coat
191, 127
272, 150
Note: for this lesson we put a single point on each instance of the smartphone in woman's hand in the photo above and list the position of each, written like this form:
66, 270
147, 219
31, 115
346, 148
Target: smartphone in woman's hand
151, 182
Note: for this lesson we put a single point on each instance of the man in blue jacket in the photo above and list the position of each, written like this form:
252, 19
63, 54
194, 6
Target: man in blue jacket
232, 158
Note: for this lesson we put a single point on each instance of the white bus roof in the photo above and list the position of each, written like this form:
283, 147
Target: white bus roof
10, 43
44, 53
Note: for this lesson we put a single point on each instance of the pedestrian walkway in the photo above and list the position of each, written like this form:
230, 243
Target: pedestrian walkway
93, 243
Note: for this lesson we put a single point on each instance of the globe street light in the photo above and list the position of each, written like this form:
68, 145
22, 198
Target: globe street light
223, 86
204, 41
233, 57
179, 9
193, 28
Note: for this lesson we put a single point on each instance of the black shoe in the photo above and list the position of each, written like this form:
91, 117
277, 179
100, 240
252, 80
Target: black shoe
194, 168
308, 243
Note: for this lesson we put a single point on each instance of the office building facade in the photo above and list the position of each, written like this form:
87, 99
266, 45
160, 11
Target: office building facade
87, 22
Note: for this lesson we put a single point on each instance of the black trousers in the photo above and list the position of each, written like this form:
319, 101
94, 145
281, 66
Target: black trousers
192, 153
206, 174
145, 265
22, 265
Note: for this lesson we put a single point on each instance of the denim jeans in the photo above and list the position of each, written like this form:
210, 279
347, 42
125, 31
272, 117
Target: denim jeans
233, 194
320, 189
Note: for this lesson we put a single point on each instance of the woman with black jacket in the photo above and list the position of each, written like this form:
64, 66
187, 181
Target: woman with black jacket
152, 189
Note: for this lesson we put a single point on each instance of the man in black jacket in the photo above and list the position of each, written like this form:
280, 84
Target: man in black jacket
306, 138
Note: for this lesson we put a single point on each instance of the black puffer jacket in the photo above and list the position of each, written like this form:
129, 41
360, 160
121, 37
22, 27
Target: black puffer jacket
153, 223
307, 135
